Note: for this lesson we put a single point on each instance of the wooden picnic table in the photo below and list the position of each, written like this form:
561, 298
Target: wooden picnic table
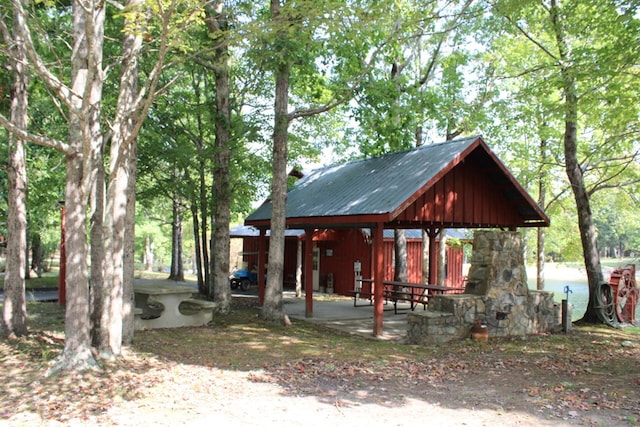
161, 305
362, 292
413, 293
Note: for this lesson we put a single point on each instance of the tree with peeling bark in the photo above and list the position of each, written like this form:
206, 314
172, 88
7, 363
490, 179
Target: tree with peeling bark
14, 311
81, 98
217, 22
300, 35
133, 102
584, 56
116, 312
84, 153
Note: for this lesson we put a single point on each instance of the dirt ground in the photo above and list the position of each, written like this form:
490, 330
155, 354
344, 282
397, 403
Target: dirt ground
241, 372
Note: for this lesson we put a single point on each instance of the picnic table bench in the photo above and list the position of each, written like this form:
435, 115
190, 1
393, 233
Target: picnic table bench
362, 292
413, 293
159, 305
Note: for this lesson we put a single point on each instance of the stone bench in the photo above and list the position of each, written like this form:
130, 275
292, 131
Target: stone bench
137, 317
449, 317
200, 309
197, 305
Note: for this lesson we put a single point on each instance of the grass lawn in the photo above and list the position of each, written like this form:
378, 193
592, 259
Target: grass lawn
242, 368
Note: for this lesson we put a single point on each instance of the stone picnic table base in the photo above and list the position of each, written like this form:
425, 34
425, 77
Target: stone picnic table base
169, 306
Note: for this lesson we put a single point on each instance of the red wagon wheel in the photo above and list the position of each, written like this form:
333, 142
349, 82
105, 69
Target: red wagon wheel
625, 301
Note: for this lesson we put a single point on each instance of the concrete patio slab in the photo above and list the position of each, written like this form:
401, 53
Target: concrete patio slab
340, 314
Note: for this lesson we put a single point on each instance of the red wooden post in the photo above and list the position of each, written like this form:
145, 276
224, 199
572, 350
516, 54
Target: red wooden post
62, 270
378, 277
308, 272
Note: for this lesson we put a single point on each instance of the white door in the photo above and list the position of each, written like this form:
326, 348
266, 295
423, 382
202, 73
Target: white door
316, 268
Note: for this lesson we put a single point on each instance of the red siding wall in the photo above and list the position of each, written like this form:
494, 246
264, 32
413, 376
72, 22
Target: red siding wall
250, 246
455, 198
414, 260
347, 246
454, 261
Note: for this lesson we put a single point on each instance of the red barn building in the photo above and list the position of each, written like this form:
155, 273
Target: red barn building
449, 185
336, 251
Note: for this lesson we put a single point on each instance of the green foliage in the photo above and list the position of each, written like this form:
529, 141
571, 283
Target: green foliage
563, 238
152, 224
419, 86
617, 222
530, 122
413, 66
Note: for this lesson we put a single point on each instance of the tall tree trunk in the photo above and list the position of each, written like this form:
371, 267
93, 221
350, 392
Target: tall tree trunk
129, 247
36, 254
27, 265
272, 308
97, 285
14, 311
77, 353
118, 310
400, 271
204, 237
148, 253
400, 268
620, 249
218, 26
400, 235
95, 173
97, 202
425, 256
542, 189
574, 171
176, 272
299, 253
117, 305
202, 288
96, 282
201, 205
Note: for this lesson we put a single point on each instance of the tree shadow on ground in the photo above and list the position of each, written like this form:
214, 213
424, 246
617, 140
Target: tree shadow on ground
585, 378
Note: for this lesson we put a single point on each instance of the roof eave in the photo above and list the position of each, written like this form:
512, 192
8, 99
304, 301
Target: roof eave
369, 220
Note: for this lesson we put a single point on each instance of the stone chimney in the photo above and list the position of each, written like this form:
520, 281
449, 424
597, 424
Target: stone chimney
498, 274
496, 292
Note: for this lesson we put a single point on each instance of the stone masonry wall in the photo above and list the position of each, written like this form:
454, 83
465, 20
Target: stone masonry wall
496, 292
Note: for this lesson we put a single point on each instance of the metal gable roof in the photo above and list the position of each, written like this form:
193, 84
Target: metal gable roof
249, 231
241, 231
367, 187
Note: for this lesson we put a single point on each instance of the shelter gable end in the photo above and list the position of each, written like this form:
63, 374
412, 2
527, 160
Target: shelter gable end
466, 196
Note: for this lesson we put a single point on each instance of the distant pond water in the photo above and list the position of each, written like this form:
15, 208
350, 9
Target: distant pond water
578, 297
556, 279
